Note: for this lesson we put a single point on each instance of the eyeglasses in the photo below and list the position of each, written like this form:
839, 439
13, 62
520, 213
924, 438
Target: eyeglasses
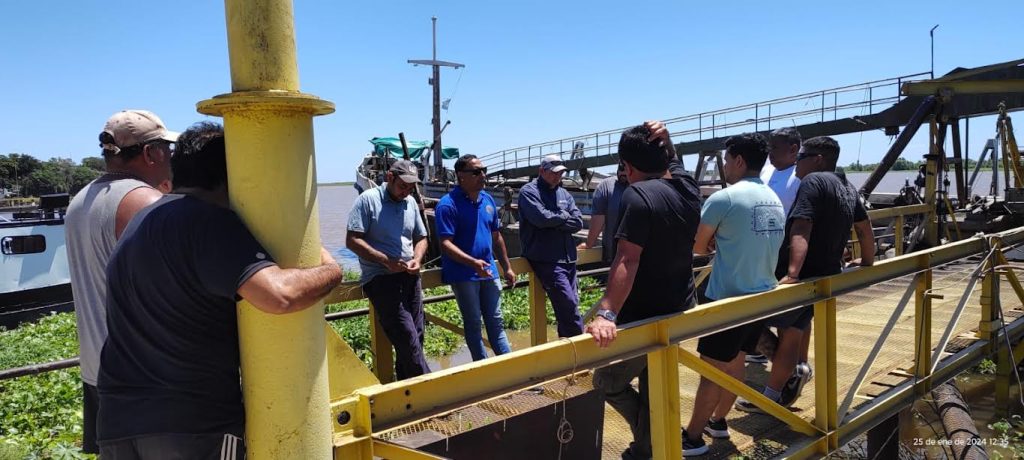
802, 155
476, 172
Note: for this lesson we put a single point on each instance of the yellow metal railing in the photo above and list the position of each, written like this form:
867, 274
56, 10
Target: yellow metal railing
380, 407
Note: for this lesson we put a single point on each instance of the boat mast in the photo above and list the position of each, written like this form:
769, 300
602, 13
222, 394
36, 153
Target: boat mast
435, 82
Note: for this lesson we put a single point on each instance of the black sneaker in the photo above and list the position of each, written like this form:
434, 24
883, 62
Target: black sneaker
756, 359
629, 455
717, 429
795, 384
693, 448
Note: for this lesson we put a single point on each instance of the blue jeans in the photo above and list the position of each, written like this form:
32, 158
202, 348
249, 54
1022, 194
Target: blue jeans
476, 299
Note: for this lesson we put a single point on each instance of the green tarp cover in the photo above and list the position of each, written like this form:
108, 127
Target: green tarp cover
384, 145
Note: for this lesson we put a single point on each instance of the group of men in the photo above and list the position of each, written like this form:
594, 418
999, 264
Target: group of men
159, 342
771, 225
386, 231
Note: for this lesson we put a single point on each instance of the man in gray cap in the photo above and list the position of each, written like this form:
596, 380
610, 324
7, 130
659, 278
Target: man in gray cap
137, 150
386, 231
549, 217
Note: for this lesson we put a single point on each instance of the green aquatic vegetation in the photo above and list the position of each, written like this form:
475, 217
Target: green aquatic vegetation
41, 415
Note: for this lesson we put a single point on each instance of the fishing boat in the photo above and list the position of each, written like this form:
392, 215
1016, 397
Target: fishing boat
34, 274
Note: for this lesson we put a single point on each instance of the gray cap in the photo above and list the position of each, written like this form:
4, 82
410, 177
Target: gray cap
552, 163
406, 171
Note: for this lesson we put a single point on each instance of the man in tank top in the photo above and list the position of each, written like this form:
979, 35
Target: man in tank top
137, 150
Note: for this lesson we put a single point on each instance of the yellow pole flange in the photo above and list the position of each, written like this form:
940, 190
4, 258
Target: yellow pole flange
268, 125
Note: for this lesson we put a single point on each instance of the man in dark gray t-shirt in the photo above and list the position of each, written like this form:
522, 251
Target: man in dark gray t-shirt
169, 374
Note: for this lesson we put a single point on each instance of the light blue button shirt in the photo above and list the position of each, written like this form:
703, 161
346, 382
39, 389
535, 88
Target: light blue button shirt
389, 226
749, 227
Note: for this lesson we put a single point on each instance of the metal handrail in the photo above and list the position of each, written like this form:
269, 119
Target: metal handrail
395, 404
514, 157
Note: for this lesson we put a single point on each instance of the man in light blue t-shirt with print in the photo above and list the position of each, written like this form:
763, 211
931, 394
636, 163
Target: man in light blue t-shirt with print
747, 223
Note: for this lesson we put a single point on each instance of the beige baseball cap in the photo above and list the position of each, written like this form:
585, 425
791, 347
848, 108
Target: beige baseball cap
134, 127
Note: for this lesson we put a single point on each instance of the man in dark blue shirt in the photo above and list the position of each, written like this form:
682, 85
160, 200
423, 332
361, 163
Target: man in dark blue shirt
169, 374
549, 217
469, 227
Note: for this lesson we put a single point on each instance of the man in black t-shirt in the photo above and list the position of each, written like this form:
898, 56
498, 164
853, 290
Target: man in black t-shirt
169, 374
651, 274
817, 230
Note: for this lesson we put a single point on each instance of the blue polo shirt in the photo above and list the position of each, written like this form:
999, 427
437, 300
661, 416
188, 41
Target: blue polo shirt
469, 224
388, 226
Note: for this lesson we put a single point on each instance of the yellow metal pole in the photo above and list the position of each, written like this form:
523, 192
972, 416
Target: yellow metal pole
538, 311
923, 323
272, 185
383, 360
826, 404
663, 386
899, 234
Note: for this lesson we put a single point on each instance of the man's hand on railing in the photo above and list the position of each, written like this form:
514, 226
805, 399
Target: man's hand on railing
510, 278
604, 331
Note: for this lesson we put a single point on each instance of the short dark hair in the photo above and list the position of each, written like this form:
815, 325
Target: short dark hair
753, 147
460, 164
199, 158
790, 135
641, 153
826, 146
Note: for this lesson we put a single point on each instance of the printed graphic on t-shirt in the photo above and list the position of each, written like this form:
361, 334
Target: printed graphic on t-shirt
765, 220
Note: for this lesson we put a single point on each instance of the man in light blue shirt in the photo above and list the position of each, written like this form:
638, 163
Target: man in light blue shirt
747, 224
386, 231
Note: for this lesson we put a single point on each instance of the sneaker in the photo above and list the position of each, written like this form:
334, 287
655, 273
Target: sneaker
757, 359
747, 406
795, 384
717, 429
629, 455
692, 448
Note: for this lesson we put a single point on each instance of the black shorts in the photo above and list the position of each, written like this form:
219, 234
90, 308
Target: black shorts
725, 345
90, 407
214, 446
799, 318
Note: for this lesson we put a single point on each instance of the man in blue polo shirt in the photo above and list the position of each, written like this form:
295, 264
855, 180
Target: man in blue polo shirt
469, 229
387, 233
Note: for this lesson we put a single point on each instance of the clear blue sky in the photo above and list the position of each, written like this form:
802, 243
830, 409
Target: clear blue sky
536, 71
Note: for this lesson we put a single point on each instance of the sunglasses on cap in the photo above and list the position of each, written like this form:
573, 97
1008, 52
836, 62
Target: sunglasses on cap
801, 155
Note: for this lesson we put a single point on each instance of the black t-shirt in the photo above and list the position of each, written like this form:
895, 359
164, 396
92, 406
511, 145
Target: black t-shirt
660, 215
832, 205
171, 363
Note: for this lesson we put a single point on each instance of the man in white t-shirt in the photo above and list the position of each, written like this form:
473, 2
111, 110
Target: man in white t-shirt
780, 172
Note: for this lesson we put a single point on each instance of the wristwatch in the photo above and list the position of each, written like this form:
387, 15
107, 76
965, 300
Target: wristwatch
607, 314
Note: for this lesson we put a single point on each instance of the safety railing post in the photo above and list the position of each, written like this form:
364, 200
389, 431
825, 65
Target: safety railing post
898, 234
663, 388
383, 361
923, 324
825, 379
538, 311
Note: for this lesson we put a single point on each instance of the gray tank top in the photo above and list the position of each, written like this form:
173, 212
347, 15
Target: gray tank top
89, 231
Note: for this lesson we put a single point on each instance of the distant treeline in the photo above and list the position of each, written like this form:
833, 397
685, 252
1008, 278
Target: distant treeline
25, 175
903, 164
